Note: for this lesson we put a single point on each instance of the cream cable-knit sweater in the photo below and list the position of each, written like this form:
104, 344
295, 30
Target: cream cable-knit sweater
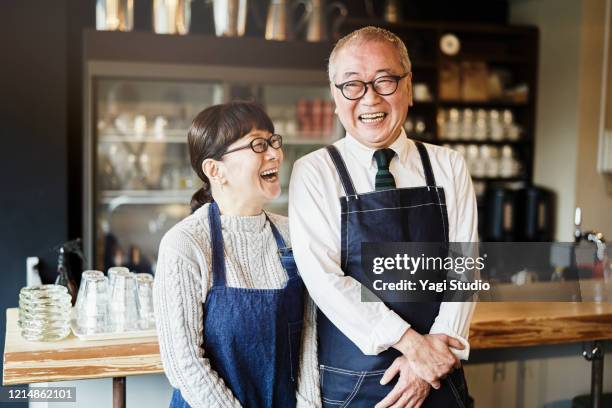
182, 280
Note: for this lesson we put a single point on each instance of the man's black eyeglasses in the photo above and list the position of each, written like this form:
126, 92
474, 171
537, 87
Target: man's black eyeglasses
384, 85
260, 144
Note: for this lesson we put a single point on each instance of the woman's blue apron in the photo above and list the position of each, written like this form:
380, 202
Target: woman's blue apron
418, 214
252, 337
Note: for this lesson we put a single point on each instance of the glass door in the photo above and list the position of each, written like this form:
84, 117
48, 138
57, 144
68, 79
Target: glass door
142, 175
304, 115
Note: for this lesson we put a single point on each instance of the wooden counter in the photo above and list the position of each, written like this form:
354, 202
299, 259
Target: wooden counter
494, 325
74, 359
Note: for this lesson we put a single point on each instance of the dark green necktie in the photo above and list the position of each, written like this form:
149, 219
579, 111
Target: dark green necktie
384, 179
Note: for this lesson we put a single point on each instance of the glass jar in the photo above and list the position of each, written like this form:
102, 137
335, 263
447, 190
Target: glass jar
44, 312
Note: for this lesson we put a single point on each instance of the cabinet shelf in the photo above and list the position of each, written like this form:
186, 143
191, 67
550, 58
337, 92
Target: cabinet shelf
500, 179
486, 142
173, 137
482, 104
116, 198
489, 59
308, 141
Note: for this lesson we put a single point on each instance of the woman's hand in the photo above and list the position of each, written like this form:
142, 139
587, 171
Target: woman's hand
429, 356
409, 392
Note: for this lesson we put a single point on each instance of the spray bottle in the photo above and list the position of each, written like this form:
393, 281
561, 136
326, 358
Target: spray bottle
64, 276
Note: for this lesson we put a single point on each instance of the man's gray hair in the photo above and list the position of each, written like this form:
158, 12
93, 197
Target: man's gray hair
369, 34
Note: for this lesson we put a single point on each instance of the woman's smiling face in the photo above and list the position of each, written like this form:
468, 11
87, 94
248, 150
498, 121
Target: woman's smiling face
250, 176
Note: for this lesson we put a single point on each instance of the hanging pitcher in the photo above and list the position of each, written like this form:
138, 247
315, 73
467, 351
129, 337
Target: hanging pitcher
392, 12
115, 15
171, 16
230, 17
318, 28
279, 19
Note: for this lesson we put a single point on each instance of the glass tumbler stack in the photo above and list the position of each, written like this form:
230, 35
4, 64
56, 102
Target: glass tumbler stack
123, 302
92, 301
44, 312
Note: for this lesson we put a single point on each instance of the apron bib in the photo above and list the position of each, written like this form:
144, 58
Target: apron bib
252, 337
418, 214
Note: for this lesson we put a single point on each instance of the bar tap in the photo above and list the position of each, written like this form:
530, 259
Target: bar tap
595, 356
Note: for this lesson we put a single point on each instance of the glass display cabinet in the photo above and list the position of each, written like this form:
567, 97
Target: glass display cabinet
138, 180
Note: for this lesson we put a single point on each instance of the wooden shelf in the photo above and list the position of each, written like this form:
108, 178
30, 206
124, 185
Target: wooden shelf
147, 47
486, 142
490, 59
501, 179
482, 104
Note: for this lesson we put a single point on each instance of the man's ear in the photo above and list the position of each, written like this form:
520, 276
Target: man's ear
214, 170
332, 91
409, 85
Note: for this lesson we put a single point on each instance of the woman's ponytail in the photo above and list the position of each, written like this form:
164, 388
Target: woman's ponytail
201, 197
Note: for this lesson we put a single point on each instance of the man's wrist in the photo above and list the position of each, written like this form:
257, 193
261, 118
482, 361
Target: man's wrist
406, 343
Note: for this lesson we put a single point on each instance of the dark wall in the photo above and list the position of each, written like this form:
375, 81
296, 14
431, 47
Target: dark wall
33, 123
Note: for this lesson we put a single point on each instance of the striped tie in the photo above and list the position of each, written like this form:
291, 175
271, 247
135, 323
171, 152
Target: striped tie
384, 179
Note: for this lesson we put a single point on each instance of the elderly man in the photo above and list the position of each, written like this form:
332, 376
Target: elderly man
376, 185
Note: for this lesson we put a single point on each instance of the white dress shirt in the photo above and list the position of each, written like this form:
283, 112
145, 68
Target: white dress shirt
314, 220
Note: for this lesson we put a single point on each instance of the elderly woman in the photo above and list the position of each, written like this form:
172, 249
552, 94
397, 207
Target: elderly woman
235, 324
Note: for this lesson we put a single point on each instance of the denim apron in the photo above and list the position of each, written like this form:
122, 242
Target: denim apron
417, 214
252, 337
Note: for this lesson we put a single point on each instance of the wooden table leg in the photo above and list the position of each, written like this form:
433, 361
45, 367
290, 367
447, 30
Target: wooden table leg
118, 392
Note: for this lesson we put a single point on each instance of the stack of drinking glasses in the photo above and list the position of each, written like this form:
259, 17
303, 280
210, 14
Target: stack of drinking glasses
91, 304
123, 302
123, 306
144, 284
44, 312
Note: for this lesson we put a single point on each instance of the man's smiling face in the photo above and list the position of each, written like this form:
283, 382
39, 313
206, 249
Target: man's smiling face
374, 120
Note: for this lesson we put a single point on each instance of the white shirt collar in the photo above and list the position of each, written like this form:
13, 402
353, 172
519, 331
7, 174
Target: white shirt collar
365, 155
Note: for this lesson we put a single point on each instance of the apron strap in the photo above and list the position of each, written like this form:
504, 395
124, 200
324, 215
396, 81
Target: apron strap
216, 238
430, 180
283, 249
345, 178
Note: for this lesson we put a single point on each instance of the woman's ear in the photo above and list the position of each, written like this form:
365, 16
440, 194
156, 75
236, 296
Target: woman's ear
214, 170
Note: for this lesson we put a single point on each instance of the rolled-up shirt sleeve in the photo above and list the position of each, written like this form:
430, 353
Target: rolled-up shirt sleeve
454, 317
315, 236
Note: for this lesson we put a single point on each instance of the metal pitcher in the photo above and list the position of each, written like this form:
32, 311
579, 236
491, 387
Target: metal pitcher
115, 15
278, 21
230, 17
317, 29
171, 16
392, 12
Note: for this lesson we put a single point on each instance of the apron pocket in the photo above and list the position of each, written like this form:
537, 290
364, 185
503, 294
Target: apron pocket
339, 386
295, 341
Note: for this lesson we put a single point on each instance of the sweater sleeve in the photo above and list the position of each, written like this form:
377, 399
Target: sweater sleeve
308, 392
179, 317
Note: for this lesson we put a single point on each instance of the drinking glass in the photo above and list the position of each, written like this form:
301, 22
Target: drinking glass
91, 305
144, 283
112, 271
86, 274
123, 303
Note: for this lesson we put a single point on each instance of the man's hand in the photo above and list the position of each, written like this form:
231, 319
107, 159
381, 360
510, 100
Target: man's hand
409, 392
429, 356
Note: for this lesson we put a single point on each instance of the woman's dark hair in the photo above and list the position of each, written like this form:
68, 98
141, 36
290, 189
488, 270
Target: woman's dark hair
213, 130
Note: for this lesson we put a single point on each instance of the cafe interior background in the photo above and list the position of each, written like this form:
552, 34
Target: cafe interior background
94, 109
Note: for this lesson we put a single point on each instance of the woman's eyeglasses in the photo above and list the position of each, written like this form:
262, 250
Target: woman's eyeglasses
260, 144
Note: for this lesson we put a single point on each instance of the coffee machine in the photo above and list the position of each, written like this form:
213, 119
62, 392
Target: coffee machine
525, 215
